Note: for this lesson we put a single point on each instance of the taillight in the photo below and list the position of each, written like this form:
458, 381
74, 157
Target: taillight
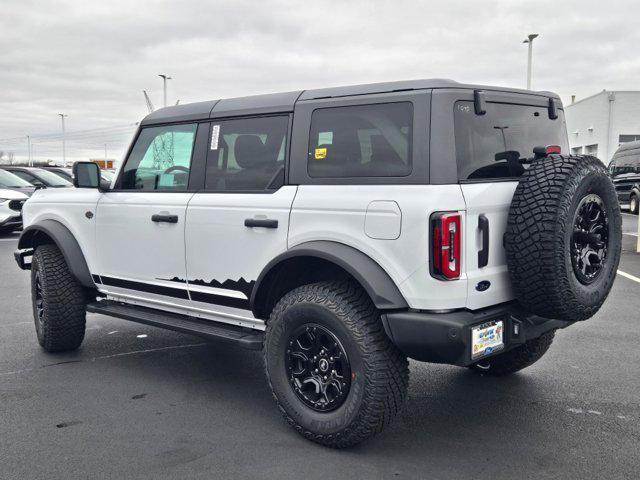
445, 245
553, 149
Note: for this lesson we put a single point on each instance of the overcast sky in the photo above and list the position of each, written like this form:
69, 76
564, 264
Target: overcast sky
91, 60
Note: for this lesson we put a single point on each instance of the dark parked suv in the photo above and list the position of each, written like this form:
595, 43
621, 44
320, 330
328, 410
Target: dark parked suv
625, 172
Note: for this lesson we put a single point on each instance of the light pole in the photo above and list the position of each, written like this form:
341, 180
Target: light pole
164, 86
29, 162
529, 40
64, 153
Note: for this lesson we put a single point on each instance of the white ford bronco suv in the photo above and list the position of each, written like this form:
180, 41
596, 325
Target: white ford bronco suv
339, 231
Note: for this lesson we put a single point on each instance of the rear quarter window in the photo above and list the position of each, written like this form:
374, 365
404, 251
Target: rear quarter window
361, 141
481, 140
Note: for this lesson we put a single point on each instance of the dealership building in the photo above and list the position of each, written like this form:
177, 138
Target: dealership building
599, 124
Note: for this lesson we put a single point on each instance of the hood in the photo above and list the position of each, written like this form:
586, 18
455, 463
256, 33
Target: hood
12, 194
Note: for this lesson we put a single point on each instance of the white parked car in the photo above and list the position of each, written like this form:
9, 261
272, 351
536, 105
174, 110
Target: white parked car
341, 231
11, 202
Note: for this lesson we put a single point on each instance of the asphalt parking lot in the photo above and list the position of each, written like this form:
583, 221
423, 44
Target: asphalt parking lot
139, 402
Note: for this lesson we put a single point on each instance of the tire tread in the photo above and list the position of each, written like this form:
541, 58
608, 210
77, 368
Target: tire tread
64, 301
386, 369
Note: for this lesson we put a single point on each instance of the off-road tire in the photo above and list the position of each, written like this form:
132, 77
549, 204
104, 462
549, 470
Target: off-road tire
380, 373
539, 232
516, 359
634, 204
60, 322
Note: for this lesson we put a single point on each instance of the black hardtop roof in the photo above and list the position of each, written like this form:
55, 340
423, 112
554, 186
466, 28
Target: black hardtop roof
629, 149
285, 102
625, 147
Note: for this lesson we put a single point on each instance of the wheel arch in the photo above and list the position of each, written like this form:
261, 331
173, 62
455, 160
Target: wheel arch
51, 231
315, 260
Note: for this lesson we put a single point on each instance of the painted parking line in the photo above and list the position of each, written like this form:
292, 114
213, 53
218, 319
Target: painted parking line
106, 357
631, 234
8, 239
629, 276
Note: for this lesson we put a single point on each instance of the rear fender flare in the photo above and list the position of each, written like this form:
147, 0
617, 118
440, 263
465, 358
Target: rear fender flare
382, 290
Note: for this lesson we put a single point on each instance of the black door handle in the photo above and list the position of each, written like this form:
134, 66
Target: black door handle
259, 222
483, 254
158, 217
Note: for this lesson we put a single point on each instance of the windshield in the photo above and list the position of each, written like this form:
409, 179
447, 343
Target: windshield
50, 178
9, 180
64, 173
493, 145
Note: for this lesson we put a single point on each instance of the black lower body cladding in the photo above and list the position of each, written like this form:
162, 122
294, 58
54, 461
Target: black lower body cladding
563, 237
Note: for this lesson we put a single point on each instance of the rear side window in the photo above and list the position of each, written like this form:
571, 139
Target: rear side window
483, 141
246, 154
361, 141
160, 159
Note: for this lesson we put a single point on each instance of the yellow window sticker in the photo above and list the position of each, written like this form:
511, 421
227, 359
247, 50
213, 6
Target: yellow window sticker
320, 153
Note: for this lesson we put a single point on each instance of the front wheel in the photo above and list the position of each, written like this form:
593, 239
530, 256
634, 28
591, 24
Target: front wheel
59, 301
333, 372
633, 204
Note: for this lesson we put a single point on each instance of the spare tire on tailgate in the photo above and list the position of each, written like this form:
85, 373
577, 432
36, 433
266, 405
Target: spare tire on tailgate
563, 237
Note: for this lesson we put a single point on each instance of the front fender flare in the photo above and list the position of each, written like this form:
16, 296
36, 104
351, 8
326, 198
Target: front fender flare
374, 279
65, 241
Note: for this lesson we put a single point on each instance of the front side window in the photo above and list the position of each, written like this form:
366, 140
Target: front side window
160, 159
246, 154
361, 141
495, 144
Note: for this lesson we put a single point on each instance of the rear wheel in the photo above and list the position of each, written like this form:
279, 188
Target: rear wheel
334, 374
59, 301
516, 359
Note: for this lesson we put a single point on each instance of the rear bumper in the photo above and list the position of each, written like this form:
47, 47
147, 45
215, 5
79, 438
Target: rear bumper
446, 337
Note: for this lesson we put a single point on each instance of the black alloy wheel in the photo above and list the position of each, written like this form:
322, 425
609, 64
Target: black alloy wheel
590, 239
318, 367
38, 303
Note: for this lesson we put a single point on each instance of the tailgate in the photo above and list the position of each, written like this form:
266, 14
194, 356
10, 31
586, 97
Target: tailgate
491, 201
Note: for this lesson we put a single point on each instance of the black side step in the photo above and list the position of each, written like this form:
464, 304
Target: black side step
243, 337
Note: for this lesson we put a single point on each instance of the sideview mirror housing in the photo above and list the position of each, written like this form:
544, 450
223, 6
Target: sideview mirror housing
86, 175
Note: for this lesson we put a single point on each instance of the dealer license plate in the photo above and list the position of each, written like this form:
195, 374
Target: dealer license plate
487, 338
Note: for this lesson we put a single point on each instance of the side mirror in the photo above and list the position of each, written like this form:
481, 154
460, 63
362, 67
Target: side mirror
86, 175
